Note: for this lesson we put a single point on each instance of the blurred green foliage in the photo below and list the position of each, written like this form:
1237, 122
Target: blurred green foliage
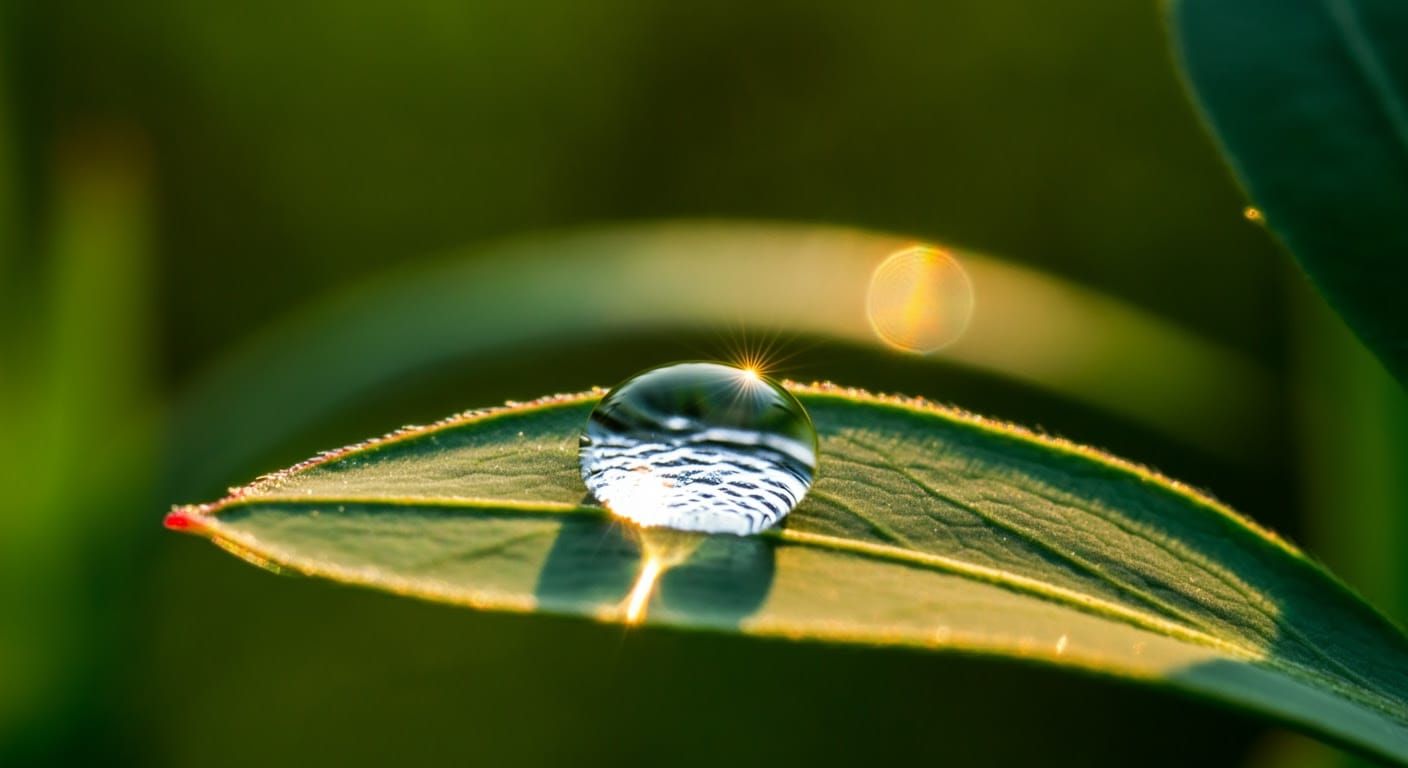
1310, 112
262, 154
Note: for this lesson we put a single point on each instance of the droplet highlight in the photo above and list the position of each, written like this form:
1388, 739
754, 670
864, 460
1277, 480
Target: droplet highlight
703, 447
920, 300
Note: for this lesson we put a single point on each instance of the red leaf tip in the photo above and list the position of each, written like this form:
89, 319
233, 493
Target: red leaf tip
179, 520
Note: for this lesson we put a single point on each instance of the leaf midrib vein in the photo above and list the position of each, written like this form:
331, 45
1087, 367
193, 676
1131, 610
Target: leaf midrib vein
898, 554
903, 556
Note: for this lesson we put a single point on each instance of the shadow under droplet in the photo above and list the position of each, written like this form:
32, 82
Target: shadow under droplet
594, 562
726, 580
592, 565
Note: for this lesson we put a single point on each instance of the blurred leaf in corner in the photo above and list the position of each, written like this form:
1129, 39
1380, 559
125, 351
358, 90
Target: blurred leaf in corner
1309, 100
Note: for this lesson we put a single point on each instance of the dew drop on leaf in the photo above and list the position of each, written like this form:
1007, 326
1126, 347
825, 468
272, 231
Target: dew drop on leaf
701, 447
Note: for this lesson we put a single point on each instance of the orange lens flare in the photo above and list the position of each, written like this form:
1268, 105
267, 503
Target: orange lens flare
920, 300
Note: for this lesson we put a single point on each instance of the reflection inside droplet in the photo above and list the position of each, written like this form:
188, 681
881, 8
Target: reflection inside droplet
699, 447
920, 300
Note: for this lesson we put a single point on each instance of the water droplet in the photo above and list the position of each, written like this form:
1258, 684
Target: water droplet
920, 300
699, 447
1253, 215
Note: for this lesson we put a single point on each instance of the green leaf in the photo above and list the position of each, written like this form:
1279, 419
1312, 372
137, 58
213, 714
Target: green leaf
1309, 99
926, 528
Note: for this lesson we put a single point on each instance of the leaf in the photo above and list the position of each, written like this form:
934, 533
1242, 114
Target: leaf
1309, 99
926, 528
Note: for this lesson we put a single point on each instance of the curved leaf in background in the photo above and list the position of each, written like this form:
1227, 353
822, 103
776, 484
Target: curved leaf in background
1309, 100
595, 285
926, 528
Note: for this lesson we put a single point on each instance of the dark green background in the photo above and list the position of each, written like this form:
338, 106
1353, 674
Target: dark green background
258, 155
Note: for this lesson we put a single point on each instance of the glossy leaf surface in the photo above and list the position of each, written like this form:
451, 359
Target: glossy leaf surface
926, 528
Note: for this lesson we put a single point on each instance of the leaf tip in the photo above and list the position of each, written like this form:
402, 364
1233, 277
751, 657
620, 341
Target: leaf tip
182, 519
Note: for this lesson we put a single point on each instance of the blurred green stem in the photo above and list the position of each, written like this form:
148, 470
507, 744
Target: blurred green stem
1352, 419
1354, 442
77, 406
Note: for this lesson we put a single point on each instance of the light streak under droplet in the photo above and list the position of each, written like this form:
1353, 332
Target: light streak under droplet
643, 589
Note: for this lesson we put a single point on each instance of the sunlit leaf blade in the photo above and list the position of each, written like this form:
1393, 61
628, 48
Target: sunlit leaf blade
1309, 99
926, 528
